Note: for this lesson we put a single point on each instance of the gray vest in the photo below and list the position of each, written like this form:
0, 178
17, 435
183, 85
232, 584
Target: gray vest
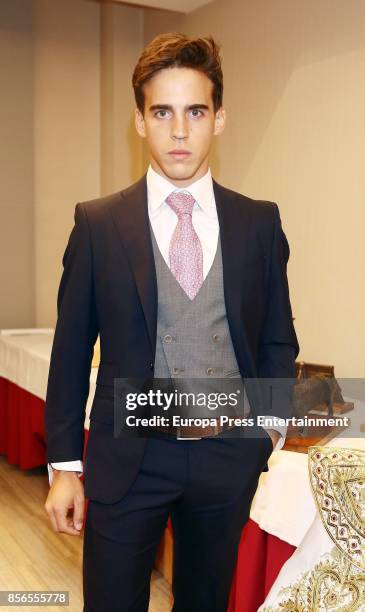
193, 337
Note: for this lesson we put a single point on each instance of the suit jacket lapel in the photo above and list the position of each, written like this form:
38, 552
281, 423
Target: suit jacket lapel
131, 218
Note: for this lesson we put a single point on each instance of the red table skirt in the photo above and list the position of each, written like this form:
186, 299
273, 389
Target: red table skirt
261, 555
22, 440
22, 437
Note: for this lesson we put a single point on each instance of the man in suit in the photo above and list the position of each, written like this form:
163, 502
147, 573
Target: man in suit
182, 278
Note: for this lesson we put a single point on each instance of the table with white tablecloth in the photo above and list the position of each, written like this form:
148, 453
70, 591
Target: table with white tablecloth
24, 365
25, 358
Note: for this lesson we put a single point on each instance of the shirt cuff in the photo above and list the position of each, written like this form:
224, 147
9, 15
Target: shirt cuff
67, 466
282, 429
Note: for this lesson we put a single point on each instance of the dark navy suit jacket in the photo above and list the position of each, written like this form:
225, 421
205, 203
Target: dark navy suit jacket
108, 287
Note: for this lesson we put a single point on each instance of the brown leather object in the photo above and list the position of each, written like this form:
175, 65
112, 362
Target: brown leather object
316, 388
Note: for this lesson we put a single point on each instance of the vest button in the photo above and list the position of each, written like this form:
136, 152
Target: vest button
209, 371
176, 370
215, 337
167, 338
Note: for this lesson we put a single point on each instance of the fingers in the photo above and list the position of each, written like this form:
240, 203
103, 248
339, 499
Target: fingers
64, 522
65, 505
78, 517
51, 517
60, 521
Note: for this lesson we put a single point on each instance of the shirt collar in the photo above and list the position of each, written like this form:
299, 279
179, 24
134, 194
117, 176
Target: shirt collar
158, 188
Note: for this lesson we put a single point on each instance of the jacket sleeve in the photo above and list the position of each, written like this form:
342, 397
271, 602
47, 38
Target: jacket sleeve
73, 347
278, 346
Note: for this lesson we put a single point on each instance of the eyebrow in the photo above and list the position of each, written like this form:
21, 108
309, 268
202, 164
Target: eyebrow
169, 107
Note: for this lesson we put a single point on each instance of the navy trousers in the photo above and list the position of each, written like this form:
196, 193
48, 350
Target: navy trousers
207, 487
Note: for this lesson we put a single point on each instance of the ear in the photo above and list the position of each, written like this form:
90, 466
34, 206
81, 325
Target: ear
219, 121
139, 123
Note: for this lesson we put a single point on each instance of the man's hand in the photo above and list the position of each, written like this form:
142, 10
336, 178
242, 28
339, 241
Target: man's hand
66, 493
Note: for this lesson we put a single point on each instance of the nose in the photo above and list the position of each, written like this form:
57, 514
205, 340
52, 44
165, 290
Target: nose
179, 129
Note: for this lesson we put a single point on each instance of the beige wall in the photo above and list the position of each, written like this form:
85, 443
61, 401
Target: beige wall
121, 44
67, 135
16, 166
83, 104
294, 93
295, 97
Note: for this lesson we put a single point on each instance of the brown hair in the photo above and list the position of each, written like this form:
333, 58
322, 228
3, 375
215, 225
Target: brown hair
177, 50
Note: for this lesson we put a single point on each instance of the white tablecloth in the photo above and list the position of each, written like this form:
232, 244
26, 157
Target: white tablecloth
24, 360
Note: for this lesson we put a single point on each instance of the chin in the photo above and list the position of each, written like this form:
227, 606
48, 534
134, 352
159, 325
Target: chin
179, 170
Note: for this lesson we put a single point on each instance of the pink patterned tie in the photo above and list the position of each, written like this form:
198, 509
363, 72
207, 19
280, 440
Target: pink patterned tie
185, 252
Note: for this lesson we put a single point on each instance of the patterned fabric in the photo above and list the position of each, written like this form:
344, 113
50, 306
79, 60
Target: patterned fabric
185, 252
327, 571
338, 483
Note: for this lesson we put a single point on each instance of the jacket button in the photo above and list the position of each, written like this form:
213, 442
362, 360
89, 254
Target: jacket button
152, 367
216, 337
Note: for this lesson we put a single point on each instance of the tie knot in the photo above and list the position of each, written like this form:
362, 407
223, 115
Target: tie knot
181, 202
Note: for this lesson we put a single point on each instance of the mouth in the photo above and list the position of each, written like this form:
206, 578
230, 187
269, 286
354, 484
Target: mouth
179, 153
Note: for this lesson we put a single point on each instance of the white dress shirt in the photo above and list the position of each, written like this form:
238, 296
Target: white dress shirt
163, 221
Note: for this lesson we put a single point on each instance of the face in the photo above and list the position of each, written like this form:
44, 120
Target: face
179, 123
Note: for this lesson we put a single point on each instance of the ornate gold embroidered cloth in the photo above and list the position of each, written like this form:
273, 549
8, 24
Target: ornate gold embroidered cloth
327, 571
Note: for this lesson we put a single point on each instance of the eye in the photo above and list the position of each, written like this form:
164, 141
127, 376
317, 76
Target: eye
196, 112
161, 114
